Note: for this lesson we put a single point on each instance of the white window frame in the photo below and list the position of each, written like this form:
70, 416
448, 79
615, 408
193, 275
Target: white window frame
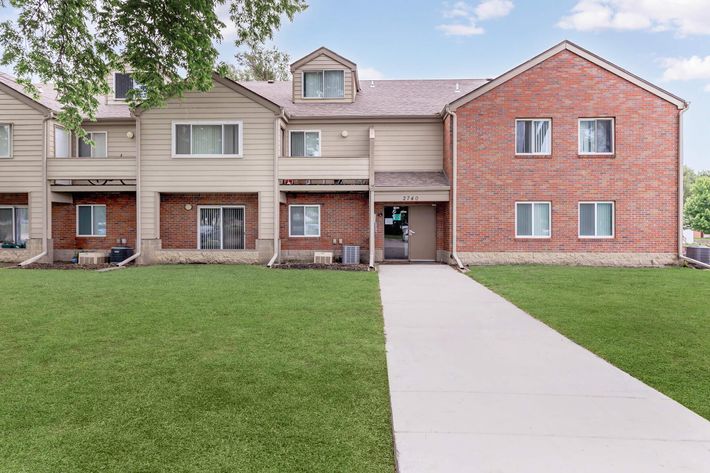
290, 234
596, 236
322, 72
240, 144
92, 220
515, 135
14, 216
533, 202
77, 141
221, 236
133, 85
69, 140
320, 144
579, 136
11, 132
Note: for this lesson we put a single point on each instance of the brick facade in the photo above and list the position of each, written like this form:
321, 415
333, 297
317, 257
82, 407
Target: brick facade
7, 198
178, 226
120, 221
343, 216
641, 177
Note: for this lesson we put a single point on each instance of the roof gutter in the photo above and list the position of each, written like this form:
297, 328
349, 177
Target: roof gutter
138, 197
45, 193
454, 186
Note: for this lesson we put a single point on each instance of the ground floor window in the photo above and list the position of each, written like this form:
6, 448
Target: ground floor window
532, 219
91, 220
14, 226
221, 228
304, 220
596, 219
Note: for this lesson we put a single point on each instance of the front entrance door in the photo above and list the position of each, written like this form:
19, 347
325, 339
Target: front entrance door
396, 233
422, 233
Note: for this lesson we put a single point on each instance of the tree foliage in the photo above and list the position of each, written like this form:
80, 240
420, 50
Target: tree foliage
697, 207
169, 45
260, 63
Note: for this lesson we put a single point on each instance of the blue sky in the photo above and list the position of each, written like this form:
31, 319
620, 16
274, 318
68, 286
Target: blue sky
396, 39
664, 41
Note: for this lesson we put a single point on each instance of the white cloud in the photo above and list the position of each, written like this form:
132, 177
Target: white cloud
370, 73
685, 17
687, 68
707, 88
229, 31
467, 16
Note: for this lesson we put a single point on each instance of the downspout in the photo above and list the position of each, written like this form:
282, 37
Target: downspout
454, 173
47, 204
277, 198
138, 197
371, 199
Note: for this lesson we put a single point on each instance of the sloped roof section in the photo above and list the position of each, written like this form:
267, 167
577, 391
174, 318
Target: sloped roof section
569, 46
377, 99
411, 179
323, 50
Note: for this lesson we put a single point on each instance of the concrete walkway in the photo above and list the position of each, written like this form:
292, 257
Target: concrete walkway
478, 385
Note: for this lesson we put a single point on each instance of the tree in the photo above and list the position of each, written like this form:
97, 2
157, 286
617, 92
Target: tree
260, 63
697, 207
169, 45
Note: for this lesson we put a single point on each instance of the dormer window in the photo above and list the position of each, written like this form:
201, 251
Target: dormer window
122, 84
324, 84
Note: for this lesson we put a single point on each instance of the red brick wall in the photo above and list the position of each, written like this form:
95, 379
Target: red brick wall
120, 221
641, 177
13, 199
178, 226
343, 215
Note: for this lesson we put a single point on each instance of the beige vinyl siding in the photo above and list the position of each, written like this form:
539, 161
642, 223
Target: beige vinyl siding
323, 168
119, 145
409, 146
22, 172
252, 173
321, 63
332, 143
91, 168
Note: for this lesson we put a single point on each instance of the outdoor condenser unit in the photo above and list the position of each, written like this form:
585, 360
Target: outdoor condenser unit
351, 254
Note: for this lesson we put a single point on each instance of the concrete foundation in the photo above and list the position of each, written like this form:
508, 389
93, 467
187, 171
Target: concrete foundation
574, 259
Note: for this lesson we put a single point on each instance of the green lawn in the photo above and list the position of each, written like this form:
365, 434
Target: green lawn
192, 368
651, 323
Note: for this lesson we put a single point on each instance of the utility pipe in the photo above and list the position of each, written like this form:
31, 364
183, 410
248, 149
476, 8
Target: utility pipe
454, 172
138, 196
276, 200
45, 194
680, 181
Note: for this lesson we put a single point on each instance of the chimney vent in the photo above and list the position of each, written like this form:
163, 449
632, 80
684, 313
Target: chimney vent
270, 81
458, 88
372, 84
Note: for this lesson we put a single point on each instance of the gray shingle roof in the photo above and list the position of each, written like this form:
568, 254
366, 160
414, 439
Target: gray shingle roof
386, 98
411, 179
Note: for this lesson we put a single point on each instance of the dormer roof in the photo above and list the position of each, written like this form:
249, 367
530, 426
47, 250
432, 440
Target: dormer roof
331, 54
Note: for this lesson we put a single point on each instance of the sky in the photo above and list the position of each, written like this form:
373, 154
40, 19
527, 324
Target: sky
664, 41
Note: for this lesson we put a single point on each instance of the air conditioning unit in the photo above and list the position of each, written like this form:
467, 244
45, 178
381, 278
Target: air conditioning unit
323, 257
351, 254
92, 258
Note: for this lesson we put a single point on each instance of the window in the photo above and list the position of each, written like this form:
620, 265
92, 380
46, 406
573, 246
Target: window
100, 145
5, 140
533, 137
14, 226
304, 220
207, 139
122, 84
91, 220
305, 143
596, 136
62, 142
532, 219
324, 84
221, 228
596, 219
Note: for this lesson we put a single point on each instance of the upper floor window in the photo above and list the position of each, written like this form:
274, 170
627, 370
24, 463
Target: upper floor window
324, 84
98, 150
207, 139
91, 220
596, 219
533, 219
122, 84
533, 136
14, 226
305, 143
62, 142
5, 140
596, 136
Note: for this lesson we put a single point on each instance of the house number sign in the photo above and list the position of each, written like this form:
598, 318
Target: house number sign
410, 198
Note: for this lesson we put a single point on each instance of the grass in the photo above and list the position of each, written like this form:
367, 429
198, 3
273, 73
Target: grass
192, 368
652, 323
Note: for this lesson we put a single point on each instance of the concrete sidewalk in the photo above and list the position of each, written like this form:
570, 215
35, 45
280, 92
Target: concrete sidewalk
478, 385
